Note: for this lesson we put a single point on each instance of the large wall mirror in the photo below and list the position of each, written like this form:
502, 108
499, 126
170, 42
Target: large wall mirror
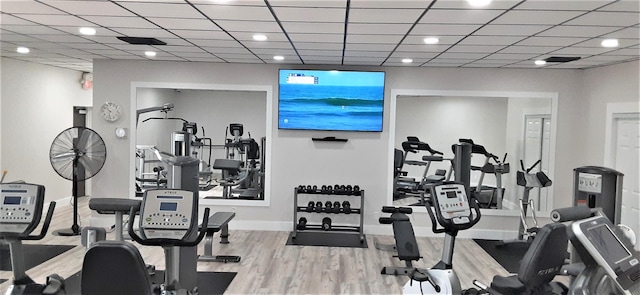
518, 125
226, 128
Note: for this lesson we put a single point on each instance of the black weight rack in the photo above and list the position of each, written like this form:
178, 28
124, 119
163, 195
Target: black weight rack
323, 196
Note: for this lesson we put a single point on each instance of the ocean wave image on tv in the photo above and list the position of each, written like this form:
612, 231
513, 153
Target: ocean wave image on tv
332, 107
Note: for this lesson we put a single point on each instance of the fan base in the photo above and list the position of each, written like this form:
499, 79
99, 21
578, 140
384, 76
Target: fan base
67, 232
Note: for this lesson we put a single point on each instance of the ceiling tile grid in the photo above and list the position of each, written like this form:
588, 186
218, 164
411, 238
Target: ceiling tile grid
506, 34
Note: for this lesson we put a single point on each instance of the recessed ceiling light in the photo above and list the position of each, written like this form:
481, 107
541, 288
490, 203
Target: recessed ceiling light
87, 31
23, 50
278, 57
609, 43
150, 53
540, 62
431, 40
259, 37
479, 3
407, 60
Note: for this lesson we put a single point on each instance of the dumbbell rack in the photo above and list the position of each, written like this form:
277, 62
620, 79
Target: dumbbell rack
338, 229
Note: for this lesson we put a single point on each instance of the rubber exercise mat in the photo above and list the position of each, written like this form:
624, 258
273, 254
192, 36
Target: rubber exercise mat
508, 256
327, 240
209, 283
33, 254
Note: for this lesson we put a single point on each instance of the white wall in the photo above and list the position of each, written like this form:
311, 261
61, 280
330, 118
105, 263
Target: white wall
617, 83
362, 160
37, 104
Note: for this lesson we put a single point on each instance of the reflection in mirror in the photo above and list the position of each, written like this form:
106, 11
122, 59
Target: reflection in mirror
224, 130
510, 129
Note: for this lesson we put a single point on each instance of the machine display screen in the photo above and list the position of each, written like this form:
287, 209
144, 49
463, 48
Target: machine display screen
166, 206
12, 200
611, 249
451, 195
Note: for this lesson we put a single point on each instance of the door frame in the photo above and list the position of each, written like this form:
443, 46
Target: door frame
615, 111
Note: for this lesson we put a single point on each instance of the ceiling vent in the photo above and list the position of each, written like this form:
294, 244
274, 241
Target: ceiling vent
142, 41
561, 59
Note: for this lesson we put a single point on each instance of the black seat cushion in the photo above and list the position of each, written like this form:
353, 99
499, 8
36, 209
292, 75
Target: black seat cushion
508, 285
114, 267
112, 205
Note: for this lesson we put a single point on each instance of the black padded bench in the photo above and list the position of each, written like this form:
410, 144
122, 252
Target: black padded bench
116, 206
406, 244
219, 221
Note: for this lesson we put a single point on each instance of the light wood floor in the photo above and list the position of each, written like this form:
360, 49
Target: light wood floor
268, 266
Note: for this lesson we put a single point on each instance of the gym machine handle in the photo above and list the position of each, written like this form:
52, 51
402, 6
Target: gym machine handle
391, 209
455, 227
572, 213
45, 225
169, 242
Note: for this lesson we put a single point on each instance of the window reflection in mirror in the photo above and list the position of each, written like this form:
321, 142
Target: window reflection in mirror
225, 130
515, 127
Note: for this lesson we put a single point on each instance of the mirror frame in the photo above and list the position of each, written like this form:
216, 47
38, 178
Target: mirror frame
395, 93
268, 89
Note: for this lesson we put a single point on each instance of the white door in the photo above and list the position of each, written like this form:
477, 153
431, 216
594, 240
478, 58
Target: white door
627, 160
536, 147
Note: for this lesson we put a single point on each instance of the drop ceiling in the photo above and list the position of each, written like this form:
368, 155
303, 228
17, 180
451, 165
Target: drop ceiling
505, 34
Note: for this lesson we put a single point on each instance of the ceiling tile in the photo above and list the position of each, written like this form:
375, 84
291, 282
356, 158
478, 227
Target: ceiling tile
274, 51
227, 12
550, 41
154, 9
561, 5
29, 7
490, 40
147, 33
314, 45
461, 4
596, 43
7, 19
30, 30
170, 48
120, 21
623, 6
305, 27
388, 3
366, 53
459, 16
419, 40
298, 14
461, 56
362, 28
247, 36
581, 51
56, 20
422, 48
608, 58
511, 30
201, 34
61, 38
90, 8
630, 51
331, 38
270, 44
607, 19
372, 47
511, 56
184, 24
391, 39
529, 49
297, 3
214, 43
219, 50
387, 16
628, 33
318, 53
443, 29
250, 26
577, 31
533, 17
475, 48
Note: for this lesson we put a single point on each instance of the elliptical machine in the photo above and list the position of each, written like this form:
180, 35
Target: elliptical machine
20, 214
453, 212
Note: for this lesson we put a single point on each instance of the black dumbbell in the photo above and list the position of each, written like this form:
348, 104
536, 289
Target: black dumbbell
336, 207
310, 206
315, 188
326, 223
318, 206
356, 189
308, 188
349, 189
328, 207
336, 189
323, 189
329, 189
301, 188
346, 207
302, 223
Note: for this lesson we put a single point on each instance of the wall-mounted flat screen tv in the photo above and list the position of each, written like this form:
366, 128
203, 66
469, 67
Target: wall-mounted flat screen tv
331, 100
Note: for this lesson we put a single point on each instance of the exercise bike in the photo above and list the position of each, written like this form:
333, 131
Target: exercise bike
20, 214
168, 218
452, 210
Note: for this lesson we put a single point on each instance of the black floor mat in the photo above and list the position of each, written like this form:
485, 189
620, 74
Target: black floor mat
208, 187
33, 254
327, 240
209, 283
508, 256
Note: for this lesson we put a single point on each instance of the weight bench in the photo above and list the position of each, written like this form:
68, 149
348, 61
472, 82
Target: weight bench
115, 206
406, 243
219, 221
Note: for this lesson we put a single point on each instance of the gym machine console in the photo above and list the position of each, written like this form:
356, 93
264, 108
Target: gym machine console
20, 214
